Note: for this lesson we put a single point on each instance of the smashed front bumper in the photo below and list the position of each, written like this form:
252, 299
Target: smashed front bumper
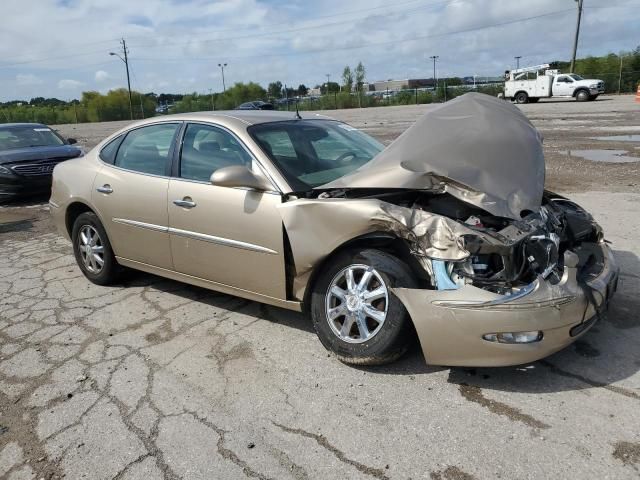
451, 323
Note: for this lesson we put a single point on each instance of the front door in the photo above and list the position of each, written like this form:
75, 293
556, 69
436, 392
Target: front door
131, 195
231, 236
563, 86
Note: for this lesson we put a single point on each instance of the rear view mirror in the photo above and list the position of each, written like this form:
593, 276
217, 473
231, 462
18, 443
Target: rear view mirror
239, 176
71, 141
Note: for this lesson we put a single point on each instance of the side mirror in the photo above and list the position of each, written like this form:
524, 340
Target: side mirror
71, 141
240, 176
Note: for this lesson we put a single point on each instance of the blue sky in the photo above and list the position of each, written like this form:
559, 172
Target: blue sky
59, 48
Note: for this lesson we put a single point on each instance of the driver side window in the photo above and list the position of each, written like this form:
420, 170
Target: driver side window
205, 149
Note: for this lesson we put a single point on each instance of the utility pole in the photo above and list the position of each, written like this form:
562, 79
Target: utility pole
328, 75
518, 61
620, 74
222, 65
435, 80
126, 64
141, 107
575, 41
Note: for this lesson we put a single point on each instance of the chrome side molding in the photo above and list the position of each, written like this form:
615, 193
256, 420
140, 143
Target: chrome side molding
227, 242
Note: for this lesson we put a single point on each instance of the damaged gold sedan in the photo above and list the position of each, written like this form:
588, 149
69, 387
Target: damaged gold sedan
446, 235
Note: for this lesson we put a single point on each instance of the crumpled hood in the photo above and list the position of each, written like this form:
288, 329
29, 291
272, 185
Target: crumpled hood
484, 150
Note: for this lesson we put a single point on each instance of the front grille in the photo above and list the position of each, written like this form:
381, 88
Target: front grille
41, 168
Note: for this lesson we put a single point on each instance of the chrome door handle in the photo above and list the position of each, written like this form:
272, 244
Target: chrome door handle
186, 202
106, 188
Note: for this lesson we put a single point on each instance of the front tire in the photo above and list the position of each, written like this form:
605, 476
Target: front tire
92, 250
355, 313
582, 96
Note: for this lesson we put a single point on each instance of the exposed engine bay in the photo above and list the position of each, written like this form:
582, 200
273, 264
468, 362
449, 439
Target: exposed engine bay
504, 254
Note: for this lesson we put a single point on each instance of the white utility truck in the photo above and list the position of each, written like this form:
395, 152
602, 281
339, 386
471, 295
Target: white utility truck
530, 84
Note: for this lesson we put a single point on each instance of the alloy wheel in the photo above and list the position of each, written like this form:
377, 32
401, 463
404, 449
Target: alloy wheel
91, 249
356, 303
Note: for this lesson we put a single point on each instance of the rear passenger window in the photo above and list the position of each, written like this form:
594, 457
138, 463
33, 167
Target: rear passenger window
205, 149
108, 153
146, 149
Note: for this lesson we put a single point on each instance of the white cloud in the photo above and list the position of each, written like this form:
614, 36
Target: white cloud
68, 84
28, 79
102, 76
267, 41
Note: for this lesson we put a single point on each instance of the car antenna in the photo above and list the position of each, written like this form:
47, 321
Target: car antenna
298, 117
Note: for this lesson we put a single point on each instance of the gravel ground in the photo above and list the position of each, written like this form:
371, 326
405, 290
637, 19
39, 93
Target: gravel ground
156, 379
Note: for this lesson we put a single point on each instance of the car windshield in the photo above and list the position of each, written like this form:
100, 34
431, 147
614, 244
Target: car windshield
28, 136
576, 77
310, 153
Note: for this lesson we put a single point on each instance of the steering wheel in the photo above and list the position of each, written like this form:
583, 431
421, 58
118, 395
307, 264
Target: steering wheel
346, 155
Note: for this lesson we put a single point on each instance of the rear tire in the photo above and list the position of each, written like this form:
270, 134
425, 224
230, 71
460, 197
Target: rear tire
522, 97
92, 250
582, 96
340, 308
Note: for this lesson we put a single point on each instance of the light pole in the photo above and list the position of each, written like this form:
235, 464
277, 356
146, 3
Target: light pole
126, 64
435, 80
222, 65
518, 61
328, 75
575, 40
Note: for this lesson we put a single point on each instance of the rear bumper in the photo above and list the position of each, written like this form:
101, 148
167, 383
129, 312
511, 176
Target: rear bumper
450, 323
59, 219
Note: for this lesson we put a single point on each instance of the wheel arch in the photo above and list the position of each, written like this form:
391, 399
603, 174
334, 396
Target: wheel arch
580, 89
73, 211
384, 241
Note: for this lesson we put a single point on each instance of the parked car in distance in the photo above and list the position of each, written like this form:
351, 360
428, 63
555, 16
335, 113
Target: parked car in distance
446, 235
256, 105
28, 154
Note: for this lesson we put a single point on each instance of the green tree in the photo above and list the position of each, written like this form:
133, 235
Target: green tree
302, 89
360, 74
331, 87
347, 79
275, 89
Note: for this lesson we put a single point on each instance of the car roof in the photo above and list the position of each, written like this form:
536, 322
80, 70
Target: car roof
6, 126
239, 117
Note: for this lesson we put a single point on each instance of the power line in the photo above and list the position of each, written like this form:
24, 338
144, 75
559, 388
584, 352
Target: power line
84, 44
300, 28
369, 44
333, 15
396, 13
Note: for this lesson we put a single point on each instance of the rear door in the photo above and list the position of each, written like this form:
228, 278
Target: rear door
231, 236
130, 192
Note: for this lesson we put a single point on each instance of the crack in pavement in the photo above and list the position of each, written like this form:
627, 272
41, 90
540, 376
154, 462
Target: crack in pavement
474, 394
594, 383
324, 443
451, 473
227, 453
